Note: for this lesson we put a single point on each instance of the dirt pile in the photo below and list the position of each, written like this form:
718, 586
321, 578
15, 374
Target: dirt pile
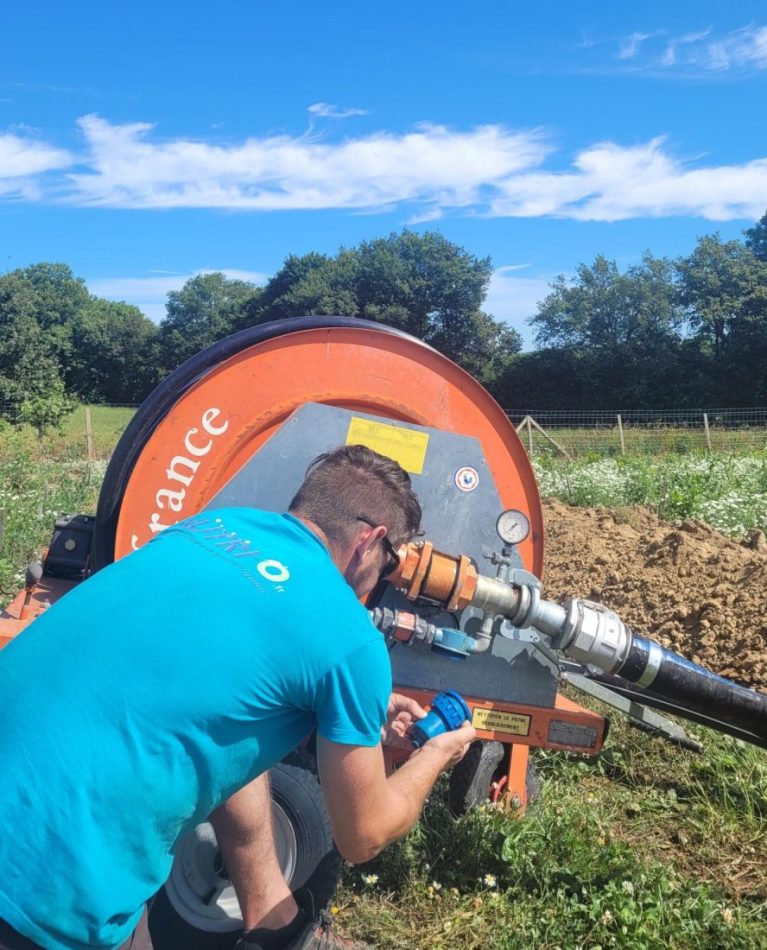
685, 585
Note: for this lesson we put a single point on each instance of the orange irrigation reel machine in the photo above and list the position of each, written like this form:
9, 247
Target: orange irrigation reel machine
238, 425
243, 427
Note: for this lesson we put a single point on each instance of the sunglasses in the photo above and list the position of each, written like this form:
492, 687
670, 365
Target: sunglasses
393, 558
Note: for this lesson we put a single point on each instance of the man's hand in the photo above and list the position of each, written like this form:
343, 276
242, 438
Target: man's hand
452, 745
401, 713
367, 809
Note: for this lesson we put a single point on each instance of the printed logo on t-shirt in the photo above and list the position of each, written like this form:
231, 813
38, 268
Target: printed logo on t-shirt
214, 534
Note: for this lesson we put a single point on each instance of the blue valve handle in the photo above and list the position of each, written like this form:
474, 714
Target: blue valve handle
448, 711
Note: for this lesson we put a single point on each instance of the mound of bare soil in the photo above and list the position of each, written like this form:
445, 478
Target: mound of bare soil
685, 585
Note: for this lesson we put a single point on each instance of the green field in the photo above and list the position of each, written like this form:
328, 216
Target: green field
645, 846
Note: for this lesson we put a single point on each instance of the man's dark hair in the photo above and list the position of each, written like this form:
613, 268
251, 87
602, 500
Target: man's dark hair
353, 483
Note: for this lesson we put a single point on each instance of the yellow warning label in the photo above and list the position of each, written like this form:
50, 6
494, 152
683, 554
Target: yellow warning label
495, 720
405, 446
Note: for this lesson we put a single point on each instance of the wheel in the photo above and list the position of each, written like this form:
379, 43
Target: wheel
471, 780
197, 908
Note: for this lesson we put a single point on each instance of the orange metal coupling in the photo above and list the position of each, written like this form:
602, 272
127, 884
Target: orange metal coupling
444, 578
406, 626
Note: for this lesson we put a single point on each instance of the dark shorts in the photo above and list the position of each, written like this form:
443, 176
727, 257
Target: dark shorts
10, 939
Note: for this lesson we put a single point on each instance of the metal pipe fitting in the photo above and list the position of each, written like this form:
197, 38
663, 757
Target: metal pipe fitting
496, 596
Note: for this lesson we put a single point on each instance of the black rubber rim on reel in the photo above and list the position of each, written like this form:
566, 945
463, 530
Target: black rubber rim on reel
162, 399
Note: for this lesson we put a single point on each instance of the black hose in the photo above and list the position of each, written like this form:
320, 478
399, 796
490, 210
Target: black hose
687, 686
647, 698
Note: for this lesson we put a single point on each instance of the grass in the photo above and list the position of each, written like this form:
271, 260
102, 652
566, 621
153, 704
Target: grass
107, 425
43, 479
645, 846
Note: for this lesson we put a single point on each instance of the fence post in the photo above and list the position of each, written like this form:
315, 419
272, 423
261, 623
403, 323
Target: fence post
89, 432
532, 424
620, 430
708, 431
530, 436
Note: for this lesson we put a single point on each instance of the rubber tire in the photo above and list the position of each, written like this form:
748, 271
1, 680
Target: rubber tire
296, 788
470, 780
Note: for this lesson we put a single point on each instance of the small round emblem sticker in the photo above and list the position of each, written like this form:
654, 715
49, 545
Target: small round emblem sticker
466, 478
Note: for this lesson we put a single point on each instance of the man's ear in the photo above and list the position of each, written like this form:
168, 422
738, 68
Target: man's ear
357, 544
373, 538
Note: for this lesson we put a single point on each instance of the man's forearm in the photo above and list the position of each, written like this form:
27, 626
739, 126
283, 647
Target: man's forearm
368, 809
394, 810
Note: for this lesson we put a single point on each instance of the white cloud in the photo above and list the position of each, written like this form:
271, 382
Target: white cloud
612, 183
630, 45
514, 299
427, 173
327, 111
149, 293
699, 53
23, 159
743, 48
432, 165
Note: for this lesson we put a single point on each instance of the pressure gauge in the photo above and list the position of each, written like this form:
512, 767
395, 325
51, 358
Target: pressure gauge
512, 526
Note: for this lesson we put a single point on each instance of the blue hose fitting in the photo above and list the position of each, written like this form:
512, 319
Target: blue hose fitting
448, 712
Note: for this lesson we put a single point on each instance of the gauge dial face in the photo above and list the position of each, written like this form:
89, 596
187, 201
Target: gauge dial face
512, 526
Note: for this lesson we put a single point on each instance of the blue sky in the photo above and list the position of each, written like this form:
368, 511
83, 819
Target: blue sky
144, 144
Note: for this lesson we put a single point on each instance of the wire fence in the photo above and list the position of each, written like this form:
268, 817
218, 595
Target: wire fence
11, 411
87, 433
640, 431
93, 431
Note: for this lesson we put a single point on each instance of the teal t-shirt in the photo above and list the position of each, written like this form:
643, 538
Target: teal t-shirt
143, 699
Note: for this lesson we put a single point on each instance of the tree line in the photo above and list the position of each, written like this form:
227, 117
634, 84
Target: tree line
685, 332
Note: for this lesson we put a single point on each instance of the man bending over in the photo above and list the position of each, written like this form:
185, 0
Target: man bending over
160, 692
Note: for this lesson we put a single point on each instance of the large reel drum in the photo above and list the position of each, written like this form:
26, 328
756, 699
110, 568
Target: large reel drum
213, 413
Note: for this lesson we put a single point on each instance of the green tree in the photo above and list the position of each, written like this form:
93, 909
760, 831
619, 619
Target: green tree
56, 296
59, 295
31, 385
113, 358
422, 284
724, 286
609, 311
721, 285
307, 285
756, 238
617, 336
207, 308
